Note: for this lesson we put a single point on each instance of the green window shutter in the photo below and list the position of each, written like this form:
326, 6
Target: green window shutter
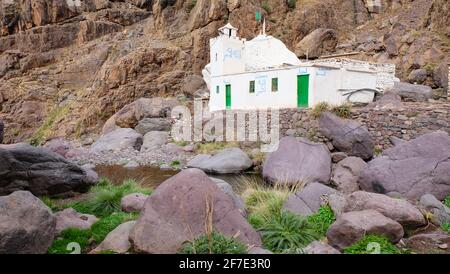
274, 84
252, 87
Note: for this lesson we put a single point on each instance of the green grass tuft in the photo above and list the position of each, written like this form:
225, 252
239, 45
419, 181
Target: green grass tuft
343, 111
447, 201
215, 243
368, 245
322, 220
50, 203
71, 235
107, 224
319, 108
446, 227
45, 130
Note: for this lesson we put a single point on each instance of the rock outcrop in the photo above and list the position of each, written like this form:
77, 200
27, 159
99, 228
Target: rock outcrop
317, 43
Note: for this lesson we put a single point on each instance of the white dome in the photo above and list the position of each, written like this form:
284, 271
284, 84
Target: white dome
265, 51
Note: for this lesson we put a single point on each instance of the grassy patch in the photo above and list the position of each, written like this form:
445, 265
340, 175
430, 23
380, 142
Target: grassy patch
343, 111
105, 197
215, 243
210, 148
446, 227
68, 236
265, 6
322, 220
372, 244
319, 108
46, 129
175, 164
287, 231
180, 143
447, 201
377, 151
50, 203
107, 224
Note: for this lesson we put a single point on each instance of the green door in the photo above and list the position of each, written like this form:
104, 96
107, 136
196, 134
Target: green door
302, 90
228, 96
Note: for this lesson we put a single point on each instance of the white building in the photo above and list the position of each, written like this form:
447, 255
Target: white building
263, 73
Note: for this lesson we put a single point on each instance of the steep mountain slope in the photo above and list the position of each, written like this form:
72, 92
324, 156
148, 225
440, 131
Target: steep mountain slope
65, 68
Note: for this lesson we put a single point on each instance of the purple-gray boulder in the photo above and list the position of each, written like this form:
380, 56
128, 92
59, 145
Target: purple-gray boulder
411, 169
298, 161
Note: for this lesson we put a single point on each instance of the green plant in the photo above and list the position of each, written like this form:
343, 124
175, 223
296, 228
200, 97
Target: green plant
319, 108
45, 130
322, 220
215, 243
265, 6
291, 3
105, 197
343, 111
62, 244
287, 231
105, 225
447, 201
51, 203
175, 164
377, 151
446, 227
372, 244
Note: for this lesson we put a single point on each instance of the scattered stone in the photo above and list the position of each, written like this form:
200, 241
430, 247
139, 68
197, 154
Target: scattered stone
178, 209
230, 160
308, 200
411, 92
317, 247
133, 202
350, 227
347, 135
117, 140
27, 225
41, 171
440, 212
69, 218
415, 168
117, 240
397, 209
153, 124
396, 141
336, 157
258, 250
131, 164
298, 161
346, 173
154, 139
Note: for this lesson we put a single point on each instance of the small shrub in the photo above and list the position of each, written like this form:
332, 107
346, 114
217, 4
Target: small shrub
291, 3
45, 130
50, 203
446, 227
175, 164
107, 224
322, 220
377, 151
265, 203
286, 232
343, 111
319, 108
447, 201
367, 245
215, 243
265, 6
71, 235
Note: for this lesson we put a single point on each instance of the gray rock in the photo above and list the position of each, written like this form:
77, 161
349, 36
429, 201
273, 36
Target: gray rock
153, 124
133, 202
228, 189
117, 140
40, 171
27, 225
337, 203
347, 135
258, 250
317, 247
350, 227
117, 240
2, 127
336, 157
131, 164
178, 209
417, 76
388, 101
411, 92
412, 169
434, 242
397, 209
59, 145
440, 75
154, 139
298, 161
317, 43
308, 200
230, 160
346, 173
396, 141
440, 212
69, 218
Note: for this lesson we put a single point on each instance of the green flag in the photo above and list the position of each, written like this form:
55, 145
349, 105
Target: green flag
258, 16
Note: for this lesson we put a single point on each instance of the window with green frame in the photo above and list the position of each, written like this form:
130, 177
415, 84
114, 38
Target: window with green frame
274, 84
251, 88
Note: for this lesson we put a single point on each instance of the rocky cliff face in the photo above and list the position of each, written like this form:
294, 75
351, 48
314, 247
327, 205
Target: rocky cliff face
68, 65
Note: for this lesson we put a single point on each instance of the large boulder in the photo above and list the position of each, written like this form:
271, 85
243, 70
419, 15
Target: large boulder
347, 135
317, 43
412, 92
181, 208
417, 76
298, 161
41, 171
154, 139
131, 114
397, 209
133, 202
228, 189
308, 200
350, 227
69, 218
388, 101
346, 173
229, 160
27, 225
153, 124
117, 240
117, 140
411, 169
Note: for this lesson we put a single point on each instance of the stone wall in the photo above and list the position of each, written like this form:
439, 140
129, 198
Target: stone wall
416, 119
